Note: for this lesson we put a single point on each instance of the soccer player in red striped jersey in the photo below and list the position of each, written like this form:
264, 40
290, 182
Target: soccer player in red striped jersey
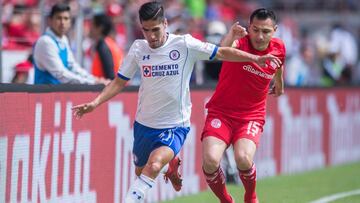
236, 111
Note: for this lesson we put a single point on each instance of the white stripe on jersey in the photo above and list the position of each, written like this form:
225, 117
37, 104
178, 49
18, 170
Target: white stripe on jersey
164, 97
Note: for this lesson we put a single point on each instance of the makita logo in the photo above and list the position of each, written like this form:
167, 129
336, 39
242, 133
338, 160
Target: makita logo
59, 157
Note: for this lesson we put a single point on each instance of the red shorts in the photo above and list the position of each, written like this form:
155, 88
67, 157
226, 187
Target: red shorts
230, 129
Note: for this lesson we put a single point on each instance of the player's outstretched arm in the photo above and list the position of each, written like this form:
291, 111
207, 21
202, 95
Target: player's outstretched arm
236, 31
236, 55
110, 91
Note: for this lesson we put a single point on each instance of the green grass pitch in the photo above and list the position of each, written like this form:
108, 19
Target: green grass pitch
299, 188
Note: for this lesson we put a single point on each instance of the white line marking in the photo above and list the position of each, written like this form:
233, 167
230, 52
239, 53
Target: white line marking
334, 197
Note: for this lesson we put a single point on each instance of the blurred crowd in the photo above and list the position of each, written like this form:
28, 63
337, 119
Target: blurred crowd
322, 37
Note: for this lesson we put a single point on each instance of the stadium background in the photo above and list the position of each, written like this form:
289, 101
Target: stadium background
45, 154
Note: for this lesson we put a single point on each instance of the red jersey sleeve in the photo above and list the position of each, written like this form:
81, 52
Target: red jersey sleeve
278, 49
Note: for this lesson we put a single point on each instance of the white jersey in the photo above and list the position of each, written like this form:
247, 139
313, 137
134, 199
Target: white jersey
164, 96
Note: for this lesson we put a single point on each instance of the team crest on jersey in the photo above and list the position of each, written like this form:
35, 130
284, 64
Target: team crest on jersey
174, 55
216, 123
146, 71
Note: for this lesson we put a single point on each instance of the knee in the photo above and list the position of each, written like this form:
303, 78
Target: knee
210, 163
244, 160
154, 167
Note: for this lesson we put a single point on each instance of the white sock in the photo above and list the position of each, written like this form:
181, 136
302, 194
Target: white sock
138, 189
165, 169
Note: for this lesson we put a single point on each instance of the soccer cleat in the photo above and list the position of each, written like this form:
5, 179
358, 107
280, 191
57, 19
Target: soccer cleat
173, 174
232, 199
255, 200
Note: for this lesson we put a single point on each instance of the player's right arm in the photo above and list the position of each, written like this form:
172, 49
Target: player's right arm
108, 92
127, 71
236, 31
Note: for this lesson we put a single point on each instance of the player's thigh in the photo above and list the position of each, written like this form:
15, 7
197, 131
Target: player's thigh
250, 130
244, 151
144, 137
147, 140
157, 160
174, 138
245, 141
161, 155
218, 126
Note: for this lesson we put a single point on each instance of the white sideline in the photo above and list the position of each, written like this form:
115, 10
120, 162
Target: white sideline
336, 196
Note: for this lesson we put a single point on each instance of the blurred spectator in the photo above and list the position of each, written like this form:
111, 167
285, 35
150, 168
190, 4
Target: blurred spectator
301, 69
332, 69
215, 31
108, 56
287, 31
213, 11
177, 16
53, 59
343, 45
356, 77
116, 12
24, 71
196, 8
22, 29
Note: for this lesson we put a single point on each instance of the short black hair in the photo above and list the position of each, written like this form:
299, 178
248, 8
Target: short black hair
19, 9
58, 8
263, 14
151, 11
104, 21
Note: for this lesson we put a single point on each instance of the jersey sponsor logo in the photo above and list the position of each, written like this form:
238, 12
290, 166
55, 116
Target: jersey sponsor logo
146, 71
252, 70
216, 123
146, 57
160, 70
174, 55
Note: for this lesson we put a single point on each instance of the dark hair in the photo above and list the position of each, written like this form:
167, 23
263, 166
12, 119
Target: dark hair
19, 9
151, 11
263, 14
104, 21
58, 8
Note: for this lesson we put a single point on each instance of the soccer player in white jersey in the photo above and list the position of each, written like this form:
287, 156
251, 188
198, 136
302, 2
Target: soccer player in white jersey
163, 114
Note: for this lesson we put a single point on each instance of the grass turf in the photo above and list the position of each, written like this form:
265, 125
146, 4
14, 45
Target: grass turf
299, 188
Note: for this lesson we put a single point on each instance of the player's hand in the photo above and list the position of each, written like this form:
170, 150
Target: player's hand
269, 59
237, 31
101, 80
277, 89
80, 110
106, 81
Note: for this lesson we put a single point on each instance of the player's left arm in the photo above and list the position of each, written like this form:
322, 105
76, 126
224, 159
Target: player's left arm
278, 87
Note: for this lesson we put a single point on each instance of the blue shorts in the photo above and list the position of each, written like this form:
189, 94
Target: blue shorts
148, 139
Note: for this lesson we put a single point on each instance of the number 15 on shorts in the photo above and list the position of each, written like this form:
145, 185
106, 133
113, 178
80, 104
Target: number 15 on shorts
253, 128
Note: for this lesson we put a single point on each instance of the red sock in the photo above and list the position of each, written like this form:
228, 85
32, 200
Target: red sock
248, 178
216, 182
